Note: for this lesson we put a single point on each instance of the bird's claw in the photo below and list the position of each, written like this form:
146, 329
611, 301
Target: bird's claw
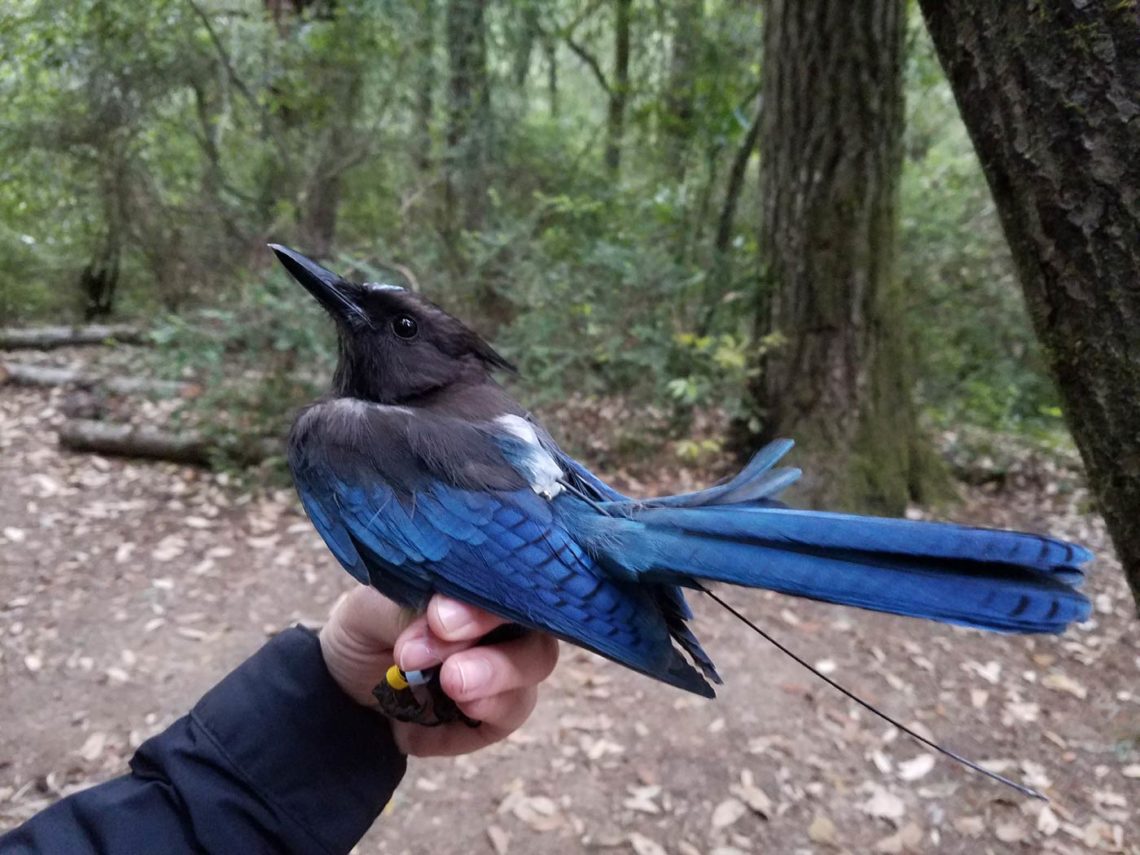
417, 697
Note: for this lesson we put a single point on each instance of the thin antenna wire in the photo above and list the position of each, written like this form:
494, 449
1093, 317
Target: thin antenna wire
970, 764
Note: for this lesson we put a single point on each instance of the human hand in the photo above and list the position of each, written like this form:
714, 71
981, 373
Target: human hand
496, 684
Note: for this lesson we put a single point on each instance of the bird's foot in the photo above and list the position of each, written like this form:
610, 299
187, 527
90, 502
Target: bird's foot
417, 697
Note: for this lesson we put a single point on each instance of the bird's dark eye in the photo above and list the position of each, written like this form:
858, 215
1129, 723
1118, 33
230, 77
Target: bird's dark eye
405, 327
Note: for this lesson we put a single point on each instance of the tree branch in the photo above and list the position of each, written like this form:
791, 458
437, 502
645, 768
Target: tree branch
223, 57
592, 62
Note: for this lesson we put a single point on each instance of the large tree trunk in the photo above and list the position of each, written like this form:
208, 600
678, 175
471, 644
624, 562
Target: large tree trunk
619, 86
831, 134
1050, 93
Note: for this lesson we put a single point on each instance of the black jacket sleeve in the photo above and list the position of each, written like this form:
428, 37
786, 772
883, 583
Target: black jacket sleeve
275, 758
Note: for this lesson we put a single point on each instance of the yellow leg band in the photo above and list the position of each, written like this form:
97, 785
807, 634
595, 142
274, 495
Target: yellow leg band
395, 678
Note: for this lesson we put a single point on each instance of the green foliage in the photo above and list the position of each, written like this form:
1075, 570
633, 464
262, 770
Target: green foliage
189, 133
255, 364
980, 363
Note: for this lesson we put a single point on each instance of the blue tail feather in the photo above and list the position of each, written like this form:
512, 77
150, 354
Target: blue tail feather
982, 578
796, 529
757, 481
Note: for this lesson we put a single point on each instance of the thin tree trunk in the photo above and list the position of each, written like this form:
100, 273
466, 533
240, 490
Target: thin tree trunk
1050, 93
735, 185
681, 88
528, 32
425, 84
831, 128
550, 46
343, 85
619, 86
469, 108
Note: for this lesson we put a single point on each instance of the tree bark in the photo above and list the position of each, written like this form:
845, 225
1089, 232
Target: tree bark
618, 86
831, 132
1050, 94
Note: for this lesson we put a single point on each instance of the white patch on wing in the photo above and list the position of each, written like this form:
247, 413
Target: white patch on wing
541, 468
380, 286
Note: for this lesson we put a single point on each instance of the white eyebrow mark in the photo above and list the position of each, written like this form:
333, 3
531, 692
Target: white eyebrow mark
380, 286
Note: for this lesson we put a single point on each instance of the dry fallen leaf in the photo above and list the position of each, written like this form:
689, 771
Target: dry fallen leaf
907, 838
93, 747
1063, 683
920, 766
641, 799
643, 845
884, 804
1047, 822
728, 812
1011, 832
751, 795
822, 830
500, 840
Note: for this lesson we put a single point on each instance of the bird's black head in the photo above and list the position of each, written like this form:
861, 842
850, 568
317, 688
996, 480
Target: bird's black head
395, 346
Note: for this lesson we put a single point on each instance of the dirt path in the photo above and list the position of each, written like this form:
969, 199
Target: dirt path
126, 589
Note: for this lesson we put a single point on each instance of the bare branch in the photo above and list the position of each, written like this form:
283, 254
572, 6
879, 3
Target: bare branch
223, 56
591, 62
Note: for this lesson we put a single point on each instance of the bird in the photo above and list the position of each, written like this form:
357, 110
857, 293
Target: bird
424, 476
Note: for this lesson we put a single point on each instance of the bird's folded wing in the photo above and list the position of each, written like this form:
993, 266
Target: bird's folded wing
393, 520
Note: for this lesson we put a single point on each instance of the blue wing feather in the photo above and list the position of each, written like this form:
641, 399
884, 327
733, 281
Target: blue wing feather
503, 551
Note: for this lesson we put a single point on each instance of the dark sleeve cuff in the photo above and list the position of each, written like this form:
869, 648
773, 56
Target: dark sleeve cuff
322, 765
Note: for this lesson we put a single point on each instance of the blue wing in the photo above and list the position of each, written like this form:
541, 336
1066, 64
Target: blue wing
505, 551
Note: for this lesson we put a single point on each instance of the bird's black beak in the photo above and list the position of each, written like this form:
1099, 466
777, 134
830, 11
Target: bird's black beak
334, 293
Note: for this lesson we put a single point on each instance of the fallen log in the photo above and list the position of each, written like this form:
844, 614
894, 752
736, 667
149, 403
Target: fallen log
22, 374
121, 440
185, 446
46, 338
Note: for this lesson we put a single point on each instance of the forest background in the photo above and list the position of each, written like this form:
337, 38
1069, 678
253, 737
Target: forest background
715, 221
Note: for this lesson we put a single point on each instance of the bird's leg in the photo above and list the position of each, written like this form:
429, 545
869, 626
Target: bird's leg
418, 697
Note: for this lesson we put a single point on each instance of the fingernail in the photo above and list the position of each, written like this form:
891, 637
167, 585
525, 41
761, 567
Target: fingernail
474, 675
416, 655
452, 616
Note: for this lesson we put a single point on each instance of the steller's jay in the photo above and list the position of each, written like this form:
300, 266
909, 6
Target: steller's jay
424, 476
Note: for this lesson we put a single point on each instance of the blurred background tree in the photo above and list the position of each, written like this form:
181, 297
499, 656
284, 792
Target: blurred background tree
833, 366
615, 189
